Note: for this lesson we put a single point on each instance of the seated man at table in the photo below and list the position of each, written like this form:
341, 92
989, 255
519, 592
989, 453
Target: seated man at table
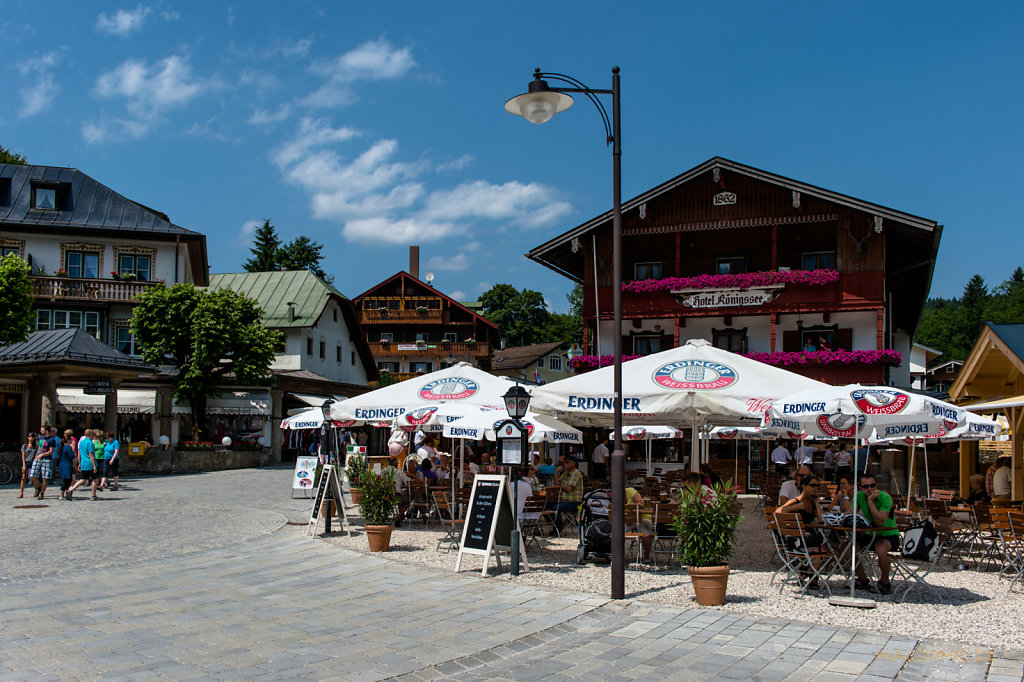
877, 506
641, 522
789, 488
570, 491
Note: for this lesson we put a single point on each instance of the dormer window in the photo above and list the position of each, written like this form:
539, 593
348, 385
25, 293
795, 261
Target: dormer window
44, 197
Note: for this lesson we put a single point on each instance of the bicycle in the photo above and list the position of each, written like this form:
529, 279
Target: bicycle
6, 474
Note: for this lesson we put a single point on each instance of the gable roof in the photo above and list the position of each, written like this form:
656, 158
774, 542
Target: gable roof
307, 293
66, 345
82, 202
519, 357
1012, 335
277, 289
553, 253
402, 274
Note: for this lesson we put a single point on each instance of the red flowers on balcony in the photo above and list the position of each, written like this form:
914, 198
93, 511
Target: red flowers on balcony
739, 280
830, 357
588, 362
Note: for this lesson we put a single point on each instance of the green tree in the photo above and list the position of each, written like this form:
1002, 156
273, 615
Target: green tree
522, 316
264, 250
268, 253
1006, 305
15, 300
302, 253
210, 337
7, 156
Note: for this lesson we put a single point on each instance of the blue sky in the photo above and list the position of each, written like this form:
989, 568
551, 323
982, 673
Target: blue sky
372, 126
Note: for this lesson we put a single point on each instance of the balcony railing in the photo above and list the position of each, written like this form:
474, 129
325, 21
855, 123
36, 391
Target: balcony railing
372, 315
431, 348
93, 290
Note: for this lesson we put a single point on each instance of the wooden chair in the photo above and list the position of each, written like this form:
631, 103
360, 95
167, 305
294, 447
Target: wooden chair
536, 518
447, 513
915, 571
634, 517
665, 538
419, 496
805, 564
1013, 551
942, 494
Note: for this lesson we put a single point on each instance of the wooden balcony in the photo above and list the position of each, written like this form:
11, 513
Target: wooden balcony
390, 316
88, 290
430, 349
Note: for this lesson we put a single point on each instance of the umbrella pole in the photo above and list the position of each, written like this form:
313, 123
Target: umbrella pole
736, 461
650, 471
853, 600
694, 448
910, 478
927, 478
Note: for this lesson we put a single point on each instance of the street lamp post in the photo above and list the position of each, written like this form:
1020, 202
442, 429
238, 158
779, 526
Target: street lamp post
538, 105
325, 442
517, 399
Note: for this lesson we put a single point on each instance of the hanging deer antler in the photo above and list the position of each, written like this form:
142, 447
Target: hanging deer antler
859, 245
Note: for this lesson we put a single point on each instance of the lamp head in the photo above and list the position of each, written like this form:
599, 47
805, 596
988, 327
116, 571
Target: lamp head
516, 401
539, 103
326, 409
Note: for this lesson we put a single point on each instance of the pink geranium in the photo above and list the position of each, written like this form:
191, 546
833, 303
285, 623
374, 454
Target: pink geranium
739, 280
585, 362
830, 357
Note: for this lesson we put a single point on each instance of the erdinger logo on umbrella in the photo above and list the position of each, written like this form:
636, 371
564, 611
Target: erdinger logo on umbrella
700, 375
840, 425
453, 388
727, 432
636, 433
344, 424
879, 401
420, 416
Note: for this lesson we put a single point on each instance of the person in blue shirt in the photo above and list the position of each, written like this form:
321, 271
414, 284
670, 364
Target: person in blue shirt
87, 468
65, 459
111, 452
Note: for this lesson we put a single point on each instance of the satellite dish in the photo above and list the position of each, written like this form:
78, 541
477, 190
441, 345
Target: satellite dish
429, 277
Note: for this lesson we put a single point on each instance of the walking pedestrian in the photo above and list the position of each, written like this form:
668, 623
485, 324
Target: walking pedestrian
111, 453
65, 463
86, 466
28, 454
42, 468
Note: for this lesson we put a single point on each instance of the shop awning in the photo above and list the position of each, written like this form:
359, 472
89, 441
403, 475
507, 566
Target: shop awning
996, 405
129, 401
316, 400
232, 402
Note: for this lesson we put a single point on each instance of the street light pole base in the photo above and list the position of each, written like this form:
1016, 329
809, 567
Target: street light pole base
853, 602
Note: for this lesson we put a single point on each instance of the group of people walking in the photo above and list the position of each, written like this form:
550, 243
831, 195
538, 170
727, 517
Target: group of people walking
90, 460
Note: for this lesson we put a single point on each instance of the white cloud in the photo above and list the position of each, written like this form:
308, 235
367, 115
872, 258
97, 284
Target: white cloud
38, 88
264, 116
459, 261
458, 295
123, 22
148, 92
380, 199
483, 286
246, 231
455, 164
374, 60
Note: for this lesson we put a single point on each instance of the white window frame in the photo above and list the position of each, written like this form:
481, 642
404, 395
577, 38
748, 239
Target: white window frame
649, 266
555, 363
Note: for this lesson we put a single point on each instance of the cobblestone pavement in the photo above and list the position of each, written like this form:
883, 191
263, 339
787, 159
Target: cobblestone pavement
198, 577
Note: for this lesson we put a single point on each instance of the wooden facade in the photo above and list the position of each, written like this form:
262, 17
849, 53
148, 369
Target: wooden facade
723, 217
414, 329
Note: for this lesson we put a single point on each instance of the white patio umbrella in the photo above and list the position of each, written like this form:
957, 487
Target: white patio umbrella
313, 418
649, 434
854, 411
541, 428
692, 385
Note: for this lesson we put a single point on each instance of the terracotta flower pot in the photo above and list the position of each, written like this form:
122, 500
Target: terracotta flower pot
709, 583
379, 537
357, 495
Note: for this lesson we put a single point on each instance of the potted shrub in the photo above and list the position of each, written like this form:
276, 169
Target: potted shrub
356, 471
378, 507
706, 527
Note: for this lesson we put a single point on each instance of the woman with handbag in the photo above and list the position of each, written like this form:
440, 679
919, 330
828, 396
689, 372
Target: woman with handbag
28, 454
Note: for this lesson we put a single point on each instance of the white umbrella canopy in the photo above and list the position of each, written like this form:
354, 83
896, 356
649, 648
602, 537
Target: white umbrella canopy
414, 402
738, 433
685, 386
313, 418
854, 410
542, 428
657, 432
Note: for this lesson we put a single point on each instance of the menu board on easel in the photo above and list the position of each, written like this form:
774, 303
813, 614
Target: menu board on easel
489, 522
328, 487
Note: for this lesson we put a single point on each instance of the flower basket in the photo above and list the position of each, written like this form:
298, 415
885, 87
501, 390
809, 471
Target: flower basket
737, 280
421, 309
706, 527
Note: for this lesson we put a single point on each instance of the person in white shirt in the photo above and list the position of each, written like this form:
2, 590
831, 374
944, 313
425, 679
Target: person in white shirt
781, 459
1002, 488
789, 488
844, 462
598, 467
523, 491
426, 450
831, 462
805, 454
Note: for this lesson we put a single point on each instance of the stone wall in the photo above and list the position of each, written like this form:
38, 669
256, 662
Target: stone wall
170, 461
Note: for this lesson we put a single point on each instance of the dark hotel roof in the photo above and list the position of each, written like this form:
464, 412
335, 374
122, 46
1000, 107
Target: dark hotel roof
66, 345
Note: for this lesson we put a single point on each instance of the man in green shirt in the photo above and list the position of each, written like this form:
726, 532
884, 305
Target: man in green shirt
877, 507
570, 492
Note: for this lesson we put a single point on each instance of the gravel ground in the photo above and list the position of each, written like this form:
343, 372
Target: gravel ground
977, 608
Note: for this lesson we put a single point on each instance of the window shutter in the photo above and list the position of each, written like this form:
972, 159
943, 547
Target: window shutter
844, 339
791, 341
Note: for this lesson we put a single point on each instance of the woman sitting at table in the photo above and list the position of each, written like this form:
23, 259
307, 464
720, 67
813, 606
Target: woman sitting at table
427, 471
806, 505
978, 496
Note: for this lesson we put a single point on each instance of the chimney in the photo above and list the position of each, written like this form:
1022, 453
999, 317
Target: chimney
414, 261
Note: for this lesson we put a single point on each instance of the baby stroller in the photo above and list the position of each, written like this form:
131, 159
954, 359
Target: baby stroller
595, 528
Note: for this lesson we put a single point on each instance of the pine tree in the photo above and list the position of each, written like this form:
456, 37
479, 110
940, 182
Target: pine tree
265, 250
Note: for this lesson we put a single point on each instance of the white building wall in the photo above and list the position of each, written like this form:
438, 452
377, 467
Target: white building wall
45, 252
333, 331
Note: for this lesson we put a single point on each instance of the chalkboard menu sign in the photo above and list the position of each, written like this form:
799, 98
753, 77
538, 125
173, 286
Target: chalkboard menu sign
328, 487
489, 522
